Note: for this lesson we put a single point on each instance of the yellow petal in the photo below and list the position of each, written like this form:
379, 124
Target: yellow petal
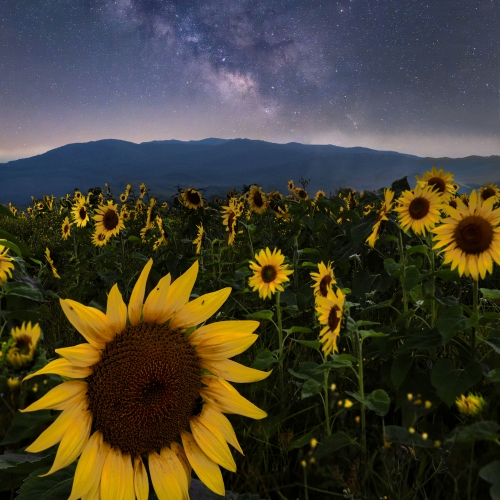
129, 478
137, 297
55, 432
116, 311
95, 491
181, 455
207, 470
89, 468
179, 292
60, 397
227, 399
225, 346
156, 303
73, 442
63, 368
232, 327
199, 310
113, 476
163, 478
81, 355
212, 442
141, 483
178, 469
89, 321
232, 371
214, 417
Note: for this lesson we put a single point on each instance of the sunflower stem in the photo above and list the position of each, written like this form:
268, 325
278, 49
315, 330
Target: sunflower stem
475, 299
359, 342
403, 273
433, 290
327, 405
280, 341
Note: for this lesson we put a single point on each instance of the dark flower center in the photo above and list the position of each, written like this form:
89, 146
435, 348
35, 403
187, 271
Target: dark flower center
66, 228
231, 221
257, 199
302, 194
82, 213
438, 184
419, 208
110, 220
145, 388
334, 317
487, 193
193, 197
473, 234
23, 344
268, 274
453, 203
324, 284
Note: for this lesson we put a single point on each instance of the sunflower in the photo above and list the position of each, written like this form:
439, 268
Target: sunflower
257, 200
192, 198
331, 313
199, 238
12, 208
108, 219
80, 214
51, 263
319, 193
381, 215
164, 205
142, 191
124, 214
419, 209
470, 405
66, 228
39, 206
230, 216
23, 349
99, 239
301, 193
30, 212
291, 186
123, 197
490, 190
470, 236
6, 265
139, 382
440, 181
324, 279
269, 272
78, 196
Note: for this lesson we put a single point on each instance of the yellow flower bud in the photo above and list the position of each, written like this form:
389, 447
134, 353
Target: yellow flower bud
314, 443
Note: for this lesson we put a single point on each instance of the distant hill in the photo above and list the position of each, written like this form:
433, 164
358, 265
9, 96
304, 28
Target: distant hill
217, 165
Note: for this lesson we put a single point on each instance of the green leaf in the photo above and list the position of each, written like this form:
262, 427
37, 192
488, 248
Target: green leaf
7, 236
490, 294
486, 430
412, 278
57, 486
495, 492
299, 329
264, 314
23, 289
400, 367
264, 360
24, 425
308, 250
331, 444
400, 185
5, 211
392, 267
351, 326
427, 341
450, 322
381, 305
309, 343
491, 472
302, 441
494, 340
339, 363
135, 239
11, 245
379, 401
310, 388
418, 248
403, 317
493, 376
365, 334
450, 382
25, 463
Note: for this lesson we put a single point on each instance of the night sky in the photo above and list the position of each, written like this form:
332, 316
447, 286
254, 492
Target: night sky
411, 76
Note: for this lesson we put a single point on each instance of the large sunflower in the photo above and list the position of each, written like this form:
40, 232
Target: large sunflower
80, 214
381, 215
269, 272
470, 236
23, 349
257, 200
138, 384
323, 280
192, 198
419, 209
440, 181
331, 313
108, 220
6, 265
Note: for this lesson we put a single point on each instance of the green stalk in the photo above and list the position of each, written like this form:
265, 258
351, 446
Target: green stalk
326, 390
359, 342
475, 298
401, 258
280, 346
469, 482
433, 291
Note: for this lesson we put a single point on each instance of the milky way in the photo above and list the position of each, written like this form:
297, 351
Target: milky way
414, 76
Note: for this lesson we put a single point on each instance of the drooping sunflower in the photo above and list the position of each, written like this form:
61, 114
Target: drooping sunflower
291, 186
268, 272
439, 180
138, 384
381, 216
470, 236
80, 213
99, 239
12, 208
230, 216
323, 280
301, 193
108, 219
319, 193
142, 191
6, 265
192, 198
257, 200
490, 190
331, 314
51, 263
199, 238
22, 351
419, 209
66, 228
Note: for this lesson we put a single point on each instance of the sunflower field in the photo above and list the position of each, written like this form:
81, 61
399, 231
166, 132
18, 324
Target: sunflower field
268, 345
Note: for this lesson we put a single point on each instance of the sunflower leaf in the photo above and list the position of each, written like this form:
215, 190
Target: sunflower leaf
264, 314
54, 487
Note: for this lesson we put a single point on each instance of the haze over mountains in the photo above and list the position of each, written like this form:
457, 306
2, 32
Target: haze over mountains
217, 165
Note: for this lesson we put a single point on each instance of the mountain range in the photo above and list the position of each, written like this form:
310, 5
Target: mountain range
216, 165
